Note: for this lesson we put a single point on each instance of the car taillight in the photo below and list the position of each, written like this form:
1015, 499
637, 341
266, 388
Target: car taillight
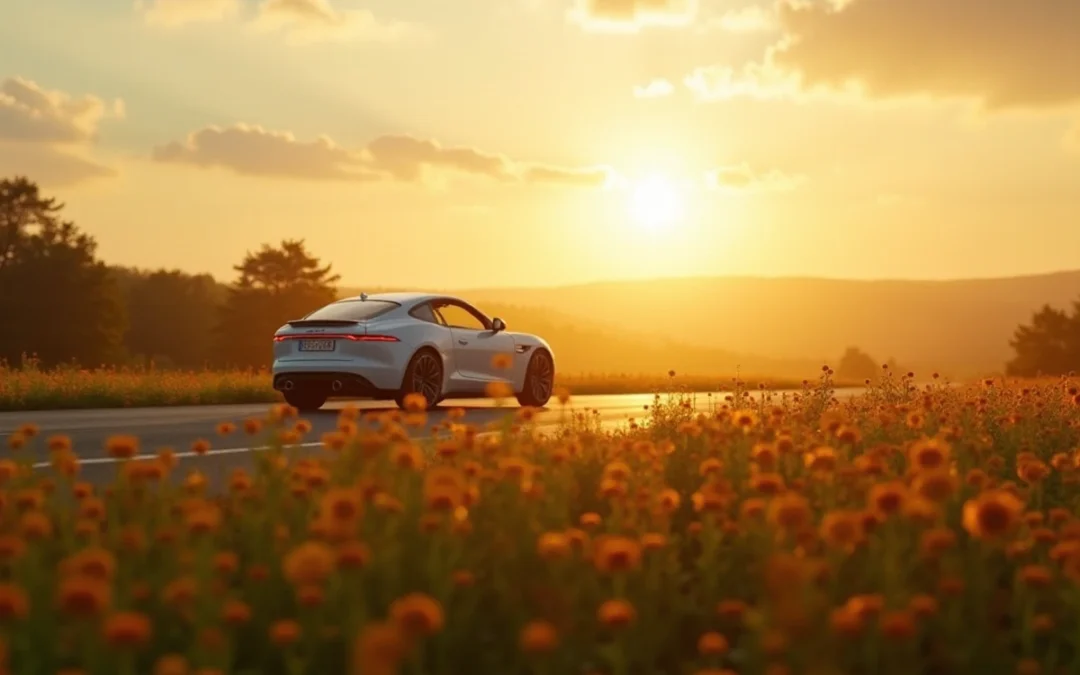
328, 336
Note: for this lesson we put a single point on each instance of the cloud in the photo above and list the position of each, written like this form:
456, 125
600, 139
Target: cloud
595, 176
751, 19
742, 178
633, 15
754, 80
405, 157
307, 21
45, 134
655, 89
48, 165
182, 12
254, 151
31, 113
300, 21
1002, 54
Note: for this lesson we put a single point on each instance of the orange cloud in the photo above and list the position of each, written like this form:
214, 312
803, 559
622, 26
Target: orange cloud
632, 15
1001, 53
29, 112
743, 178
46, 132
254, 151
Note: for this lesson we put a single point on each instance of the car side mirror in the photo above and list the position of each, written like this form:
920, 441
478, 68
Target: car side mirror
498, 325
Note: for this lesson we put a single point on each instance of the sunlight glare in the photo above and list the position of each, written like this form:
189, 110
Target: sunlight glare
655, 203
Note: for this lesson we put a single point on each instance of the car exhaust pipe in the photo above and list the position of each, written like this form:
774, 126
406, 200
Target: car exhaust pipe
336, 385
287, 385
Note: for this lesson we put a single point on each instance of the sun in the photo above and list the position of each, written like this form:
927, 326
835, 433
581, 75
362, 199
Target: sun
655, 203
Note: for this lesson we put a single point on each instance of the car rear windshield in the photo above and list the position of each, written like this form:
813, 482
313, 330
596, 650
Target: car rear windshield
353, 310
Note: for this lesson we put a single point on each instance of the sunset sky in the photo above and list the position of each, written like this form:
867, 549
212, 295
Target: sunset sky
541, 142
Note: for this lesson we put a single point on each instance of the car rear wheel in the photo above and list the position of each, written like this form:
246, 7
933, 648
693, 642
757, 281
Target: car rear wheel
423, 376
539, 381
305, 400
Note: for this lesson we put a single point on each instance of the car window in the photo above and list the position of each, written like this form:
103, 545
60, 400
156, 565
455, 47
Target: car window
424, 313
353, 310
457, 316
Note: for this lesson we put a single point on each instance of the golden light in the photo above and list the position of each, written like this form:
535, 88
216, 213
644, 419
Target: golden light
655, 202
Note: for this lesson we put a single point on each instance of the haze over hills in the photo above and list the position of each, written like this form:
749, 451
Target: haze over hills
782, 326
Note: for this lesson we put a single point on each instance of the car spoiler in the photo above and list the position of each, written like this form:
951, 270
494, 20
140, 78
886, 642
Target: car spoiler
323, 323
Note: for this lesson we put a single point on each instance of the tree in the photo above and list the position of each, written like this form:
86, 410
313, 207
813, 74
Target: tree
856, 366
1050, 345
276, 285
57, 301
172, 316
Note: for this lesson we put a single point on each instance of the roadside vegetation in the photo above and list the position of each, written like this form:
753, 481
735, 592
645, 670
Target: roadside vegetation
908, 529
32, 387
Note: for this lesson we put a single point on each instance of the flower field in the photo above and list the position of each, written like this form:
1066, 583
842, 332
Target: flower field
31, 388
905, 530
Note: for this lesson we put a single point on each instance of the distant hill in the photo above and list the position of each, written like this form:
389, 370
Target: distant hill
584, 346
959, 327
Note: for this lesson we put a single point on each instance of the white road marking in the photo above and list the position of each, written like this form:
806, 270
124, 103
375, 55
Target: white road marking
180, 455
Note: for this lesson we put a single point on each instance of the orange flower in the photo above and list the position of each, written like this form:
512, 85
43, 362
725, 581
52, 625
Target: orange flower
310, 563
122, 446
502, 361
712, 644
80, 595
342, 505
127, 630
171, 664
284, 633
379, 649
59, 443
992, 514
538, 637
200, 446
888, 498
225, 428
929, 454
94, 562
252, 426
616, 554
14, 602
417, 614
616, 614
842, 529
790, 512
553, 546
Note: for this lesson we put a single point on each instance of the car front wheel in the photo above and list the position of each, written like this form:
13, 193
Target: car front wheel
539, 381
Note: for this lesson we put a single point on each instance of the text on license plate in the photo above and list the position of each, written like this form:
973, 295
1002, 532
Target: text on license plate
317, 345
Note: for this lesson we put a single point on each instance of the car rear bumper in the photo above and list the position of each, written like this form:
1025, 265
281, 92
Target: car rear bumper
369, 380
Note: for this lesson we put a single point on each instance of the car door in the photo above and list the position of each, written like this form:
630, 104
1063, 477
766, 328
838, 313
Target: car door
475, 343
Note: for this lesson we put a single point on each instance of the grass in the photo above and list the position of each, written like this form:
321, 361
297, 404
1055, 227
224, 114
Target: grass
903, 530
31, 388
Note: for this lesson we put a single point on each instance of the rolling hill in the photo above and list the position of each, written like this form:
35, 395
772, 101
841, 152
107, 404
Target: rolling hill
772, 325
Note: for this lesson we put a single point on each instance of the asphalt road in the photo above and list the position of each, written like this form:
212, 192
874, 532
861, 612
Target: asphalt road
179, 427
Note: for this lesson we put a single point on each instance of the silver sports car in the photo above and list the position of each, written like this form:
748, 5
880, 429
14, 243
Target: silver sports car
389, 345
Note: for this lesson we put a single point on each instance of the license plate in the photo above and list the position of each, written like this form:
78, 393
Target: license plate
317, 345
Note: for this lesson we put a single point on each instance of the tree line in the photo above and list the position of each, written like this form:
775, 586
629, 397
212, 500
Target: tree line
60, 304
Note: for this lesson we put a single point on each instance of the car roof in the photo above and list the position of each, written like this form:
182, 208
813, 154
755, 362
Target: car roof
406, 298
